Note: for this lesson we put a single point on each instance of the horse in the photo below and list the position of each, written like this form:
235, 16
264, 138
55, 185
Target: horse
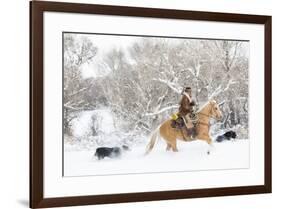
170, 135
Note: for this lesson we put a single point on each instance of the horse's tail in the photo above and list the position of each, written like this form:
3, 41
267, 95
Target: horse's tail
153, 139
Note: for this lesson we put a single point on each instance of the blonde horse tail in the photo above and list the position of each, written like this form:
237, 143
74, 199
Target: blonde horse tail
153, 139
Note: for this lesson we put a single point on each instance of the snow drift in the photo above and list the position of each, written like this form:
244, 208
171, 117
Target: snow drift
191, 157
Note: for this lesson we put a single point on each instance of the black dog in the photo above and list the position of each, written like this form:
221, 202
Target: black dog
226, 136
111, 152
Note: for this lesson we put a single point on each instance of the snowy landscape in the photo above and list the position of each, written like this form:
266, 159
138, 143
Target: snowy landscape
191, 157
118, 89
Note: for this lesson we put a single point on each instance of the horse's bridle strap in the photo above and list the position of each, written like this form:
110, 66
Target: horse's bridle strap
208, 115
206, 124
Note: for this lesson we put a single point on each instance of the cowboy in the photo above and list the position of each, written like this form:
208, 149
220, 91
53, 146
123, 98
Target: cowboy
186, 109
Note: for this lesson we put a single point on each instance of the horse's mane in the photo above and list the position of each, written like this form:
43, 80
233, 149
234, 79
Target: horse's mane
205, 104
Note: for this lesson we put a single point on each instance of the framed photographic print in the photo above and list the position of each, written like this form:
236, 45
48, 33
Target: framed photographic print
138, 104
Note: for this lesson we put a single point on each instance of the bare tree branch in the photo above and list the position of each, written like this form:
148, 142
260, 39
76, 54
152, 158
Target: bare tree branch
162, 110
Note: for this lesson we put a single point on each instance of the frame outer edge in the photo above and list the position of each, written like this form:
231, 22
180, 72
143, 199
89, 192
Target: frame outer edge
31, 174
36, 104
150, 12
268, 104
30, 105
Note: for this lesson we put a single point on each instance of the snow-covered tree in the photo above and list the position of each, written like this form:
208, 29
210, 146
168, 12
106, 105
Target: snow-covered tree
77, 51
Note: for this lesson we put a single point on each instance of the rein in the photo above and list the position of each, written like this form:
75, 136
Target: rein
206, 124
207, 115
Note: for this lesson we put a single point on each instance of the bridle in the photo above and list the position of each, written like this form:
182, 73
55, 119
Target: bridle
202, 123
209, 115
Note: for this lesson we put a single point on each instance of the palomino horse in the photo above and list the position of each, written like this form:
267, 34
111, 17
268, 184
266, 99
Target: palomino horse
170, 135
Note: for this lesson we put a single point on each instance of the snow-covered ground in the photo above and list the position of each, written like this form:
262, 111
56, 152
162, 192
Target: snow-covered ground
192, 156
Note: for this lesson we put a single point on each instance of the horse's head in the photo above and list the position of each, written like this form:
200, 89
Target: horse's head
215, 110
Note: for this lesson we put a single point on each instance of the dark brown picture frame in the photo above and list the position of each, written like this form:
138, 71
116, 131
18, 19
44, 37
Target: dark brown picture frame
37, 9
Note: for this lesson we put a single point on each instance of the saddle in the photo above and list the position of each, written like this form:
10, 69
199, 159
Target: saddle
178, 123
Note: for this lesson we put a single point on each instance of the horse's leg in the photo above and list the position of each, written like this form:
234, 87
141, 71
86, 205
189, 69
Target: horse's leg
208, 140
211, 145
168, 147
169, 135
174, 146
